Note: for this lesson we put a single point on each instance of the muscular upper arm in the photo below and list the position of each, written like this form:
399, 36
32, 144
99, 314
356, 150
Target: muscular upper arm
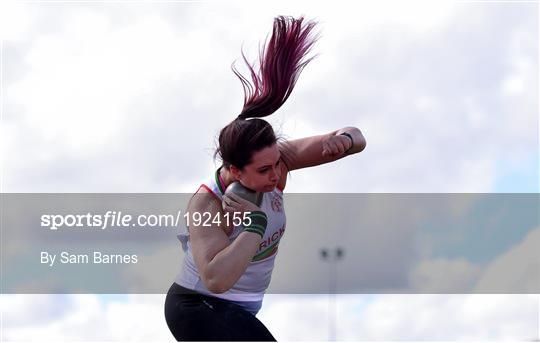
306, 152
206, 241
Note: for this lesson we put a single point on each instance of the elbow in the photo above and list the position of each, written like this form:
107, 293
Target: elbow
216, 285
215, 278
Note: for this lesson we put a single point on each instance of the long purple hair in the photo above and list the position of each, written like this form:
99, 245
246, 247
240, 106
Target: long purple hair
280, 66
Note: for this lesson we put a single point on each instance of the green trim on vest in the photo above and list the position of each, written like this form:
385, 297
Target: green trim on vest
265, 253
218, 181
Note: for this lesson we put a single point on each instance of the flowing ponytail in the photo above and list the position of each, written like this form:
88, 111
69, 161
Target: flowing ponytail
280, 66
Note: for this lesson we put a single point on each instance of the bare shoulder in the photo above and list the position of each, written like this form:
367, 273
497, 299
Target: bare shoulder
204, 200
207, 204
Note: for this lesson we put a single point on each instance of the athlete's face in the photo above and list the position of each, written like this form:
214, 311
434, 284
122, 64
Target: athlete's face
264, 172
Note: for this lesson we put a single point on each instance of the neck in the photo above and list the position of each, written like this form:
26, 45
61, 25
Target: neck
226, 177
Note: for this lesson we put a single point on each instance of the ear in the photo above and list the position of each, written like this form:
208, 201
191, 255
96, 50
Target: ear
235, 172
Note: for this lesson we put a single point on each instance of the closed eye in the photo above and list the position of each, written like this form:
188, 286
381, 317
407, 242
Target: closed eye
264, 170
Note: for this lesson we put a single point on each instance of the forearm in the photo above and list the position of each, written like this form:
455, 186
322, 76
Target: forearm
359, 142
230, 263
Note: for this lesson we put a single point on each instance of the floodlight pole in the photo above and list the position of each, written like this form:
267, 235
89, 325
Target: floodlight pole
332, 285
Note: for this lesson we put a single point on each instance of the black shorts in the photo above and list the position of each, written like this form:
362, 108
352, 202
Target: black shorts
192, 316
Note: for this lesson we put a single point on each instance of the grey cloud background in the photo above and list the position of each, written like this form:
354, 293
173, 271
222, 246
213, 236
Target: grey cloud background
131, 98
369, 318
446, 96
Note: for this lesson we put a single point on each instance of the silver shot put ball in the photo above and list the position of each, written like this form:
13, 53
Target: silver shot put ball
244, 192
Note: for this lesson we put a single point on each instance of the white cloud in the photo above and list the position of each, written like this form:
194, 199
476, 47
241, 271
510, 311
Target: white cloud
140, 319
83, 81
445, 317
53, 317
393, 317
510, 273
14, 20
416, 317
130, 99
83, 317
443, 276
306, 317
151, 85
517, 270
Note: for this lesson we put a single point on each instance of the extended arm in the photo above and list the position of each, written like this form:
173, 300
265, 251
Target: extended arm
316, 150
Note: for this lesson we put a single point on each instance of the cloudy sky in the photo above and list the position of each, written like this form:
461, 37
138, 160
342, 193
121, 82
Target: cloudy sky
130, 97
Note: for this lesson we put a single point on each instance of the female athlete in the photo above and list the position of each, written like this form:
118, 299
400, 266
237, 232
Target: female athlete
227, 268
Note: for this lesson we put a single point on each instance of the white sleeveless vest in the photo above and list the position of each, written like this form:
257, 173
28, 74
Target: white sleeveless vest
253, 283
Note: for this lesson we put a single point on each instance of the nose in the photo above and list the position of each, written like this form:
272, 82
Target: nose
274, 175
